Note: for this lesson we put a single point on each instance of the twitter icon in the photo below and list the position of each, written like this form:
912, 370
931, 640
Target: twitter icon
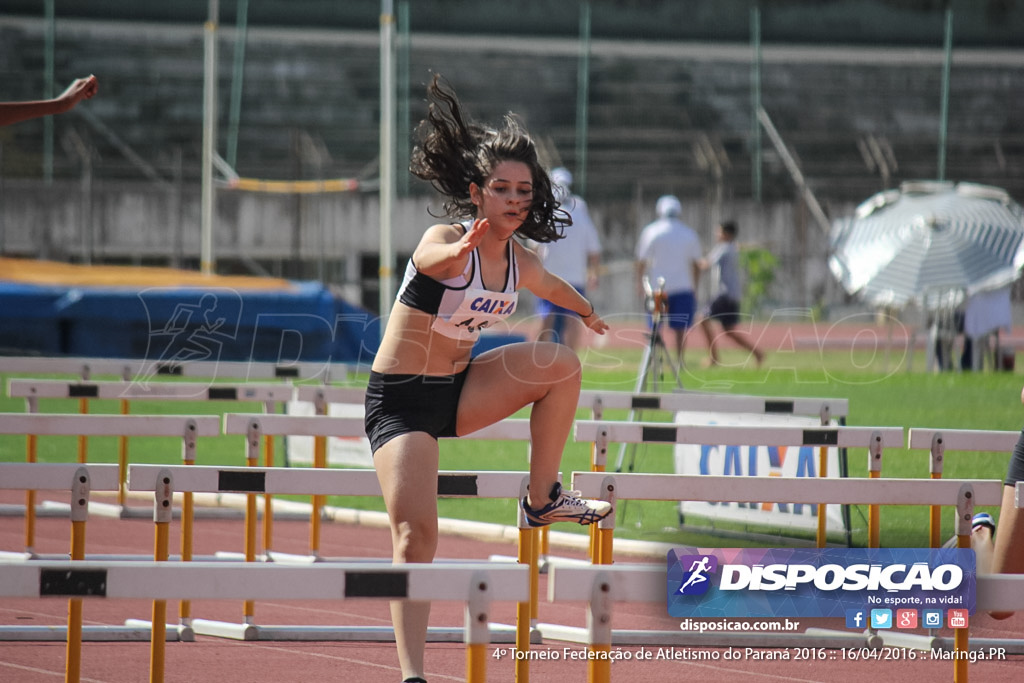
881, 618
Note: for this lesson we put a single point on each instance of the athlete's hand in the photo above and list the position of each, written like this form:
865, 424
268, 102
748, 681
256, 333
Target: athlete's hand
80, 89
471, 239
595, 323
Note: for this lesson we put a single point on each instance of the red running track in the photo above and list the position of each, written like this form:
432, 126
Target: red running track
230, 661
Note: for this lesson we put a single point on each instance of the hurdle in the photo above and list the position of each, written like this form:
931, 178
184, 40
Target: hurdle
77, 478
598, 401
938, 441
690, 401
307, 481
33, 425
966, 494
603, 433
270, 395
304, 481
134, 368
479, 585
80, 480
601, 586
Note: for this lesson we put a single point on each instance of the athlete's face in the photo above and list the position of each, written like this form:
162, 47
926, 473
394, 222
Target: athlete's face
506, 195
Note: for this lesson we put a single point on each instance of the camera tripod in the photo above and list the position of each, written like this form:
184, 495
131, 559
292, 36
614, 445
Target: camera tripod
655, 360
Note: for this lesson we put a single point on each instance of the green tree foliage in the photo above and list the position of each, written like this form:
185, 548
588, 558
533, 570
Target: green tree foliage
760, 265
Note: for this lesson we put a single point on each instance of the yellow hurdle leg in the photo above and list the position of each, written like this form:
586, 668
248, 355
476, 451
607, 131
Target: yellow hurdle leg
122, 462
319, 460
158, 634
599, 667
935, 521
268, 505
83, 408
162, 515
31, 448
73, 665
524, 610
874, 520
476, 663
960, 635
822, 536
250, 547
187, 514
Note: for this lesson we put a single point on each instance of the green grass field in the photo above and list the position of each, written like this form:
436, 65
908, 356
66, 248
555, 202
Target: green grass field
880, 391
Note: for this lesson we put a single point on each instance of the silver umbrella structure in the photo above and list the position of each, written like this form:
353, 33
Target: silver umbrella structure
927, 242
934, 244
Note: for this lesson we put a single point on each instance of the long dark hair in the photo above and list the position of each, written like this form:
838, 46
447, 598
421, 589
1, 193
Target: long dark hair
453, 152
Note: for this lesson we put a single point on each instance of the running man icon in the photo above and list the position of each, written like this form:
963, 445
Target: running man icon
697, 575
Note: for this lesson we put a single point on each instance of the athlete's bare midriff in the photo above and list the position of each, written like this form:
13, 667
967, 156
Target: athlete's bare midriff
411, 347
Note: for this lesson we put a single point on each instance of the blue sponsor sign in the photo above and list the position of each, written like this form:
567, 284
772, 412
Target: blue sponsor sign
819, 582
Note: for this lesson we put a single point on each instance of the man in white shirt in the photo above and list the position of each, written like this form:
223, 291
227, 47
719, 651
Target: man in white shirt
669, 252
575, 259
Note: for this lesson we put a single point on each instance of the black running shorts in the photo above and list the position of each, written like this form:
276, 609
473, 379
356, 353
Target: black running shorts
1015, 472
400, 404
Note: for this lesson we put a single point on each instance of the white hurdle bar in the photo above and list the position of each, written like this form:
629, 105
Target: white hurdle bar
131, 368
602, 586
852, 491
938, 441
309, 481
597, 401
41, 424
738, 435
477, 584
161, 391
36, 476
323, 395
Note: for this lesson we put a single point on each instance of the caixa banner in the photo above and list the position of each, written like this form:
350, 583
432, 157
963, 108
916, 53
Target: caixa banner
757, 461
826, 582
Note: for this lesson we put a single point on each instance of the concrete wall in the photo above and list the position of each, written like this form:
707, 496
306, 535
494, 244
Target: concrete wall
334, 237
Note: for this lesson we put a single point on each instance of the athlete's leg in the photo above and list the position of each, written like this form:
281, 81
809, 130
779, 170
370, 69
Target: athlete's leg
407, 470
711, 338
505, 379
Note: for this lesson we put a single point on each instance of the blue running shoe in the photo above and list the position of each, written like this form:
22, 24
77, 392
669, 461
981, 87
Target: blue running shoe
984, 519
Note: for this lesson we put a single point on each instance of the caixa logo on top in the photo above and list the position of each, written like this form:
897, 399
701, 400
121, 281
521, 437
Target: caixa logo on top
798, 582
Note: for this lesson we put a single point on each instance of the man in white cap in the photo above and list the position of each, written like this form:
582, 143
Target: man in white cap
669, 252
575, 258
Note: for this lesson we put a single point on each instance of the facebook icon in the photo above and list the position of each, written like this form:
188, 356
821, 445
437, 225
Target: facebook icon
855, 618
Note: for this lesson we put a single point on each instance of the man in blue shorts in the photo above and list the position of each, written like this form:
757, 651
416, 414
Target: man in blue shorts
668, 252
574, 258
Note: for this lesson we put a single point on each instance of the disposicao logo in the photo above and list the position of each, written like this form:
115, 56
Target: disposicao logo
825, 582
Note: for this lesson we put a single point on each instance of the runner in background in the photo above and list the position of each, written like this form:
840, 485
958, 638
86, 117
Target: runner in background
576, 259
